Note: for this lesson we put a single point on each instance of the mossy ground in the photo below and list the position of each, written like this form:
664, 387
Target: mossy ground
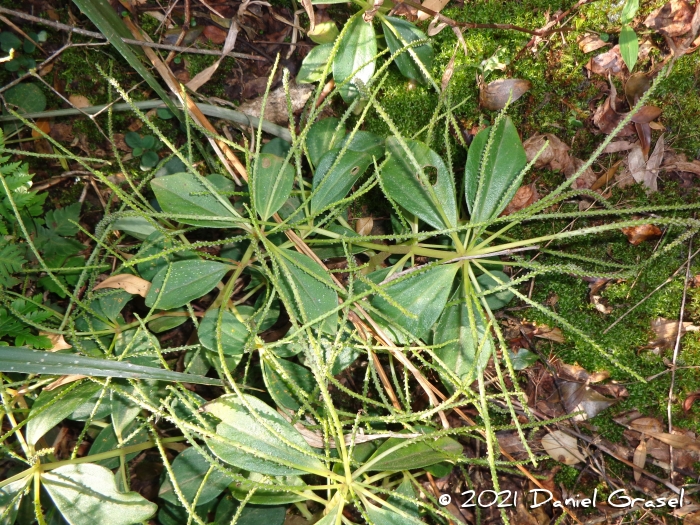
559, 102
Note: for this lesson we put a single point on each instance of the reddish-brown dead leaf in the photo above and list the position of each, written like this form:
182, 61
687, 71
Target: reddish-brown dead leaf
688, 403
62, 132
44, 126
554, 157
638, 234
525, 196
646, 114
672, 19
647, 425
495, 95
591, 43
606, 63
553, 334
215, 34
79, 101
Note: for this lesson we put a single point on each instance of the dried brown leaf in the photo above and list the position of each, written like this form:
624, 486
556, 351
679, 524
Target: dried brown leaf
666, 331
205, 75
680, 441
606, 63
554, 157
563, 448
591, 43
638, 234
579, 397
495, 95
364, 225
57, 341
688, 403
553, 334
690, 167
215, 34
617, 146
276, 109
127, 282
672, 19
525, 196
639, 459
64, 380
79, 101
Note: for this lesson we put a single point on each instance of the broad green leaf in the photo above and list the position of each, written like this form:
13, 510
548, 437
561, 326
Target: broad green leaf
523, 359
278, 385
27, 96
407, 489
364, 142
332, 517
186, 194
332, 184
398, 33
268, 496
386, 516
53, 406
123, 410
137, 227
8, 493
355, 61
190, 468
498, 299
272, 184
87, 494
149, 159
277, 146
629, 11
169, 514
133, 140
323, 136
154, 244
423, 295
233, 333
188, 280
107, 440
492, 178
259, 439
313, 286
25, 361
629, 46
165, 323
251, 514
414, 455
435, 203
312, 67
456, 347
108, 22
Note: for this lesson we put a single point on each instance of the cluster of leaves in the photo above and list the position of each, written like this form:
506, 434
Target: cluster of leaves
351, 54
275, 337
32, 239
21, 61
145, 147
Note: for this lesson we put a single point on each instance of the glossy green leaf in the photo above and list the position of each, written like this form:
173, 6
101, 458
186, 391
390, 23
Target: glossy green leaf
259, 439
165, 323
233, 333
386, 516
498, 299
53, 406
108, 22
27, 96
314, 296
492, 177
190, 469
314, 63
260, 515
277, 146
523, 359
435, 202
629, 11
107, 440
332, 184
87, 494
133, 140
423, 295
398, 33
123, 410
414, 455
155, 244
456, 346
25, 361
149, 159
169, 514
629, 46
186, 194
272, 184
278, 382
188, 280
137, 227
265, 494
8, 493
406, 489
323, 136
355, 60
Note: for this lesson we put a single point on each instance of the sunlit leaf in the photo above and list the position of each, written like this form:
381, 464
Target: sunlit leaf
355, 62
187, 281
399, 32
190, 469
